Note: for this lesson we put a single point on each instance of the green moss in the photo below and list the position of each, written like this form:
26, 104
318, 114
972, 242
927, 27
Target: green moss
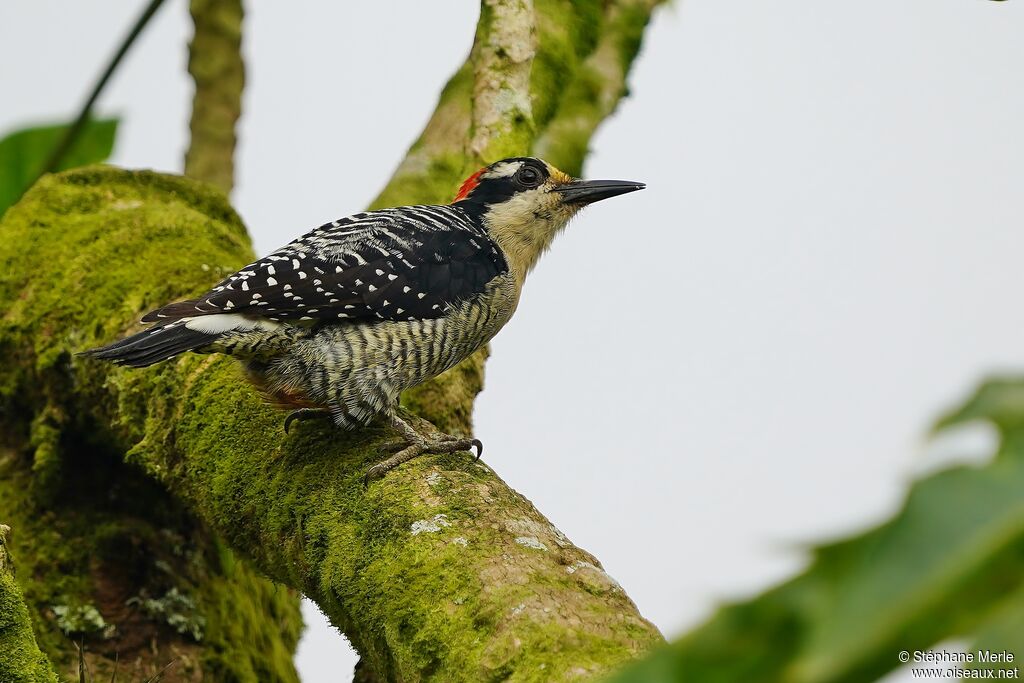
86, 522
436, 182
599, 83
434, 604
266, 620
22, 660
568, 138
629, 29
45, 440
567, 33
215, 64
436, 163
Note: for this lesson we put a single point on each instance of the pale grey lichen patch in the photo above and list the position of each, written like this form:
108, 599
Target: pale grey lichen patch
502, 74
460, 540
518, 609
531, 542
561, 539
430, 526
524, 526
434, 478
593, 574
484, 491
82, 619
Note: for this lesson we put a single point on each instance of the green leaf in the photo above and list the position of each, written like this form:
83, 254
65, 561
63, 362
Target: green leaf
1004, 632
950, 564
24, 152
999, 401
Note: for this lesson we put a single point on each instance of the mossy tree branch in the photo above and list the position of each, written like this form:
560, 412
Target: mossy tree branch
440, 568
577, 55
109, 558
215, 63
438, 571
22, 660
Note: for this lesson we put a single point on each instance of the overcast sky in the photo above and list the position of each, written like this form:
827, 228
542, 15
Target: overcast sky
704, 376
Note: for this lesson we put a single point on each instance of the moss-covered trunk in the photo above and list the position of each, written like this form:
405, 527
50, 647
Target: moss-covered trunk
22, 660
110, 560
106, 555
438, 571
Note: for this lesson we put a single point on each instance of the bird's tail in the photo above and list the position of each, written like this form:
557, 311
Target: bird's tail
153, 345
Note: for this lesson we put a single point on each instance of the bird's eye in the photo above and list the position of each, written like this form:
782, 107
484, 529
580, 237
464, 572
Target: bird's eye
528, 176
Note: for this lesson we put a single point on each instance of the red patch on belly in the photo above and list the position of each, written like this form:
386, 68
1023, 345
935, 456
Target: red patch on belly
285, 397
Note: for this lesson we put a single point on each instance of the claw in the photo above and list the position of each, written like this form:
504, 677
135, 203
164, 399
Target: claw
415, 444
303, 414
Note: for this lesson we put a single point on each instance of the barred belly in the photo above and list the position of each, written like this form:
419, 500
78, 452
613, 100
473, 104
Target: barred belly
359, 370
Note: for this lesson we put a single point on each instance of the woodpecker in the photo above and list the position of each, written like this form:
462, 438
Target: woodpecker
340, 321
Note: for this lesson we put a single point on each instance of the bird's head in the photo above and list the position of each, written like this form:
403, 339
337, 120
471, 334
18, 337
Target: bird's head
524, 202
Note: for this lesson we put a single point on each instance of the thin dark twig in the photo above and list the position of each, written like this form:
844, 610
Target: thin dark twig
160, 674
82, 667
72, 133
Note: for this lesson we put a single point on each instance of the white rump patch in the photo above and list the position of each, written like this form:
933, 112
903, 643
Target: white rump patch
219, 323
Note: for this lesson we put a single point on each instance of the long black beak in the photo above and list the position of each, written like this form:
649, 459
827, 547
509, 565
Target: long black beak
589, 191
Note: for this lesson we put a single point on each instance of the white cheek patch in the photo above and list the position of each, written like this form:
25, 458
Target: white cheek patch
505, 169
219, 323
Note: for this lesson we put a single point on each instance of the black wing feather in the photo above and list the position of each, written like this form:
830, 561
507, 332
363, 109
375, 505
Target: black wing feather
393, 264
152, 345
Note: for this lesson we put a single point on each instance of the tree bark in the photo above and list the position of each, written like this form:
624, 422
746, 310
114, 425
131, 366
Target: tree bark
23, 661
215, 63
110, 560
437, 571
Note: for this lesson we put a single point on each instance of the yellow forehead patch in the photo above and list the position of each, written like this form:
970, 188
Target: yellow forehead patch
557, 175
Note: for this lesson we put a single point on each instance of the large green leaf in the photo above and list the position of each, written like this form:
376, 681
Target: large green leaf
1004, 630
23, 153
950, 564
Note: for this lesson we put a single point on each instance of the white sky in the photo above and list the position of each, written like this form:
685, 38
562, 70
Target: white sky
704, 376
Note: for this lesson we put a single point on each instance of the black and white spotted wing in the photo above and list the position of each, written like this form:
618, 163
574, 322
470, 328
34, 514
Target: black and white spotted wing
394, 264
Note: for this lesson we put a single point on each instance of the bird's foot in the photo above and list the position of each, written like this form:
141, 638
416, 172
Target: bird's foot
402, 444
414, 444
303, 414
